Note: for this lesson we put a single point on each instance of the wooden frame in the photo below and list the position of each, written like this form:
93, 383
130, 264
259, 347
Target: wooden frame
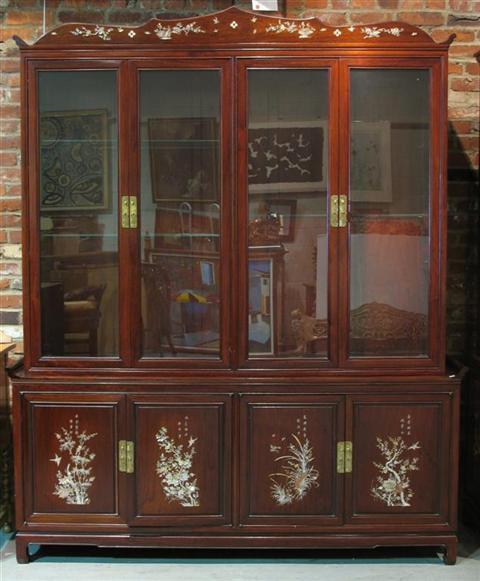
231, 42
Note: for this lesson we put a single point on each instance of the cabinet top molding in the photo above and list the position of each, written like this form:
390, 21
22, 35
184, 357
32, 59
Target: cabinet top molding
234, 26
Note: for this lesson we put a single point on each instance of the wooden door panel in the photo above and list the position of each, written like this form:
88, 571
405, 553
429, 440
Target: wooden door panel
289, 457
400, 459
71, 443
182, 455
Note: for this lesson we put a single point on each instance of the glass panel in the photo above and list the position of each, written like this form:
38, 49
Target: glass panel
287, 192
180, 212
78, 142
389, 206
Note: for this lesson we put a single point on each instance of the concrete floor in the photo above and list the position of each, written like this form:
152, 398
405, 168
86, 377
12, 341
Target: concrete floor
80, 563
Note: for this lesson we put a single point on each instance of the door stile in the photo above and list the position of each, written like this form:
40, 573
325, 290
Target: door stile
343, 233
129, 302
334, 234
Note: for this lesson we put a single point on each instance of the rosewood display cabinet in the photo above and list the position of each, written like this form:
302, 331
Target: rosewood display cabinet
234, 274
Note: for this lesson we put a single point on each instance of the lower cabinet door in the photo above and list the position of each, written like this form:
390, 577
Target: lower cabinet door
182, 460
288, 469
69, 444
402, 459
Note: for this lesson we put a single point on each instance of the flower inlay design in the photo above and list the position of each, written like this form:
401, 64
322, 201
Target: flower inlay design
165, 32
174, 467
298, 473
303, 29
375, 32
76, 477
393, 486
100, 31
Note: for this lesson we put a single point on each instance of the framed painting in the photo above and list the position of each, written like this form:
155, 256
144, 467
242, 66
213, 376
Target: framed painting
287, 156
74, 164
370, 162
285, 211
184, 159
261, 309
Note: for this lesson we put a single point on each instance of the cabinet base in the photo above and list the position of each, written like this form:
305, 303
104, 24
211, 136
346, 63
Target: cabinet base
448, 543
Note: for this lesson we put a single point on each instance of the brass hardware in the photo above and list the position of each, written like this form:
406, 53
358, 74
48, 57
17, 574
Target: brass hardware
122, 456
125, 212
342, 211
130, 458
341, 457
348, 457
126, 455
334, 211
129, 212
133, 212
344, 457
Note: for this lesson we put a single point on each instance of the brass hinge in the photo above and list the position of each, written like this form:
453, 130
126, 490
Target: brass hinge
126, 457
129, 212
344, 457
338, 211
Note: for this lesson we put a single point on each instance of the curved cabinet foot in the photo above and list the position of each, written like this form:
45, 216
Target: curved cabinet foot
450, 553
21, 547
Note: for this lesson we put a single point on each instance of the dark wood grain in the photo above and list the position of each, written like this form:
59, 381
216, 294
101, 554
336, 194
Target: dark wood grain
235, 403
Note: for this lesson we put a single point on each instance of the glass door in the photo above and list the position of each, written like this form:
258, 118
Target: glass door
182, 129
74, 235
392, 228
288, 133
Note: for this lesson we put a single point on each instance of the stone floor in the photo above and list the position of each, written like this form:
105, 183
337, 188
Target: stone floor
80, 563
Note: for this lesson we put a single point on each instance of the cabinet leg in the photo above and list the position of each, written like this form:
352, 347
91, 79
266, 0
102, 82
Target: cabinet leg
450, 554
21, 547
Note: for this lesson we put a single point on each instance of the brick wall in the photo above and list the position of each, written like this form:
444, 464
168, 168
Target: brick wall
438, 17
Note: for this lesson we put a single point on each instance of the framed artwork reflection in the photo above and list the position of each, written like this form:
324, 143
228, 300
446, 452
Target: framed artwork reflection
370, 162
287, 156
74, 165
184, 158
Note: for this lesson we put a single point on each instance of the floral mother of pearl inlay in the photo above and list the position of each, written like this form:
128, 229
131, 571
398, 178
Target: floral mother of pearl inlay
393, 486
300, 28
74, 481
174, 466
297, 471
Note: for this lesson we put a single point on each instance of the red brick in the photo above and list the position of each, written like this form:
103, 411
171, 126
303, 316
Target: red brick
463, 50
14, 190
10, 205
370, 17
329, 18
18, 17
466, 84
9, 142
8, 159
10, 174
461, 36
10, 111
15, 236
10, 65
410, 4
10, 301
455, 68
472, 68
10, 268
310, 4
128, 16
4, 282
10, 221
462, 127
425, 18
9, 126
436, 4
340, 4
81, 16
13, 80
363, 4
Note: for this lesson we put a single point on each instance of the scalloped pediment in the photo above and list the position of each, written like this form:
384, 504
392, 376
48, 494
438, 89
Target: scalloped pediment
233, 26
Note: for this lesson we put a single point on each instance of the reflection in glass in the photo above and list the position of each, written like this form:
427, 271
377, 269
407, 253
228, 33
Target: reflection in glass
287, 192
389, 204
78, 213
180, 213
